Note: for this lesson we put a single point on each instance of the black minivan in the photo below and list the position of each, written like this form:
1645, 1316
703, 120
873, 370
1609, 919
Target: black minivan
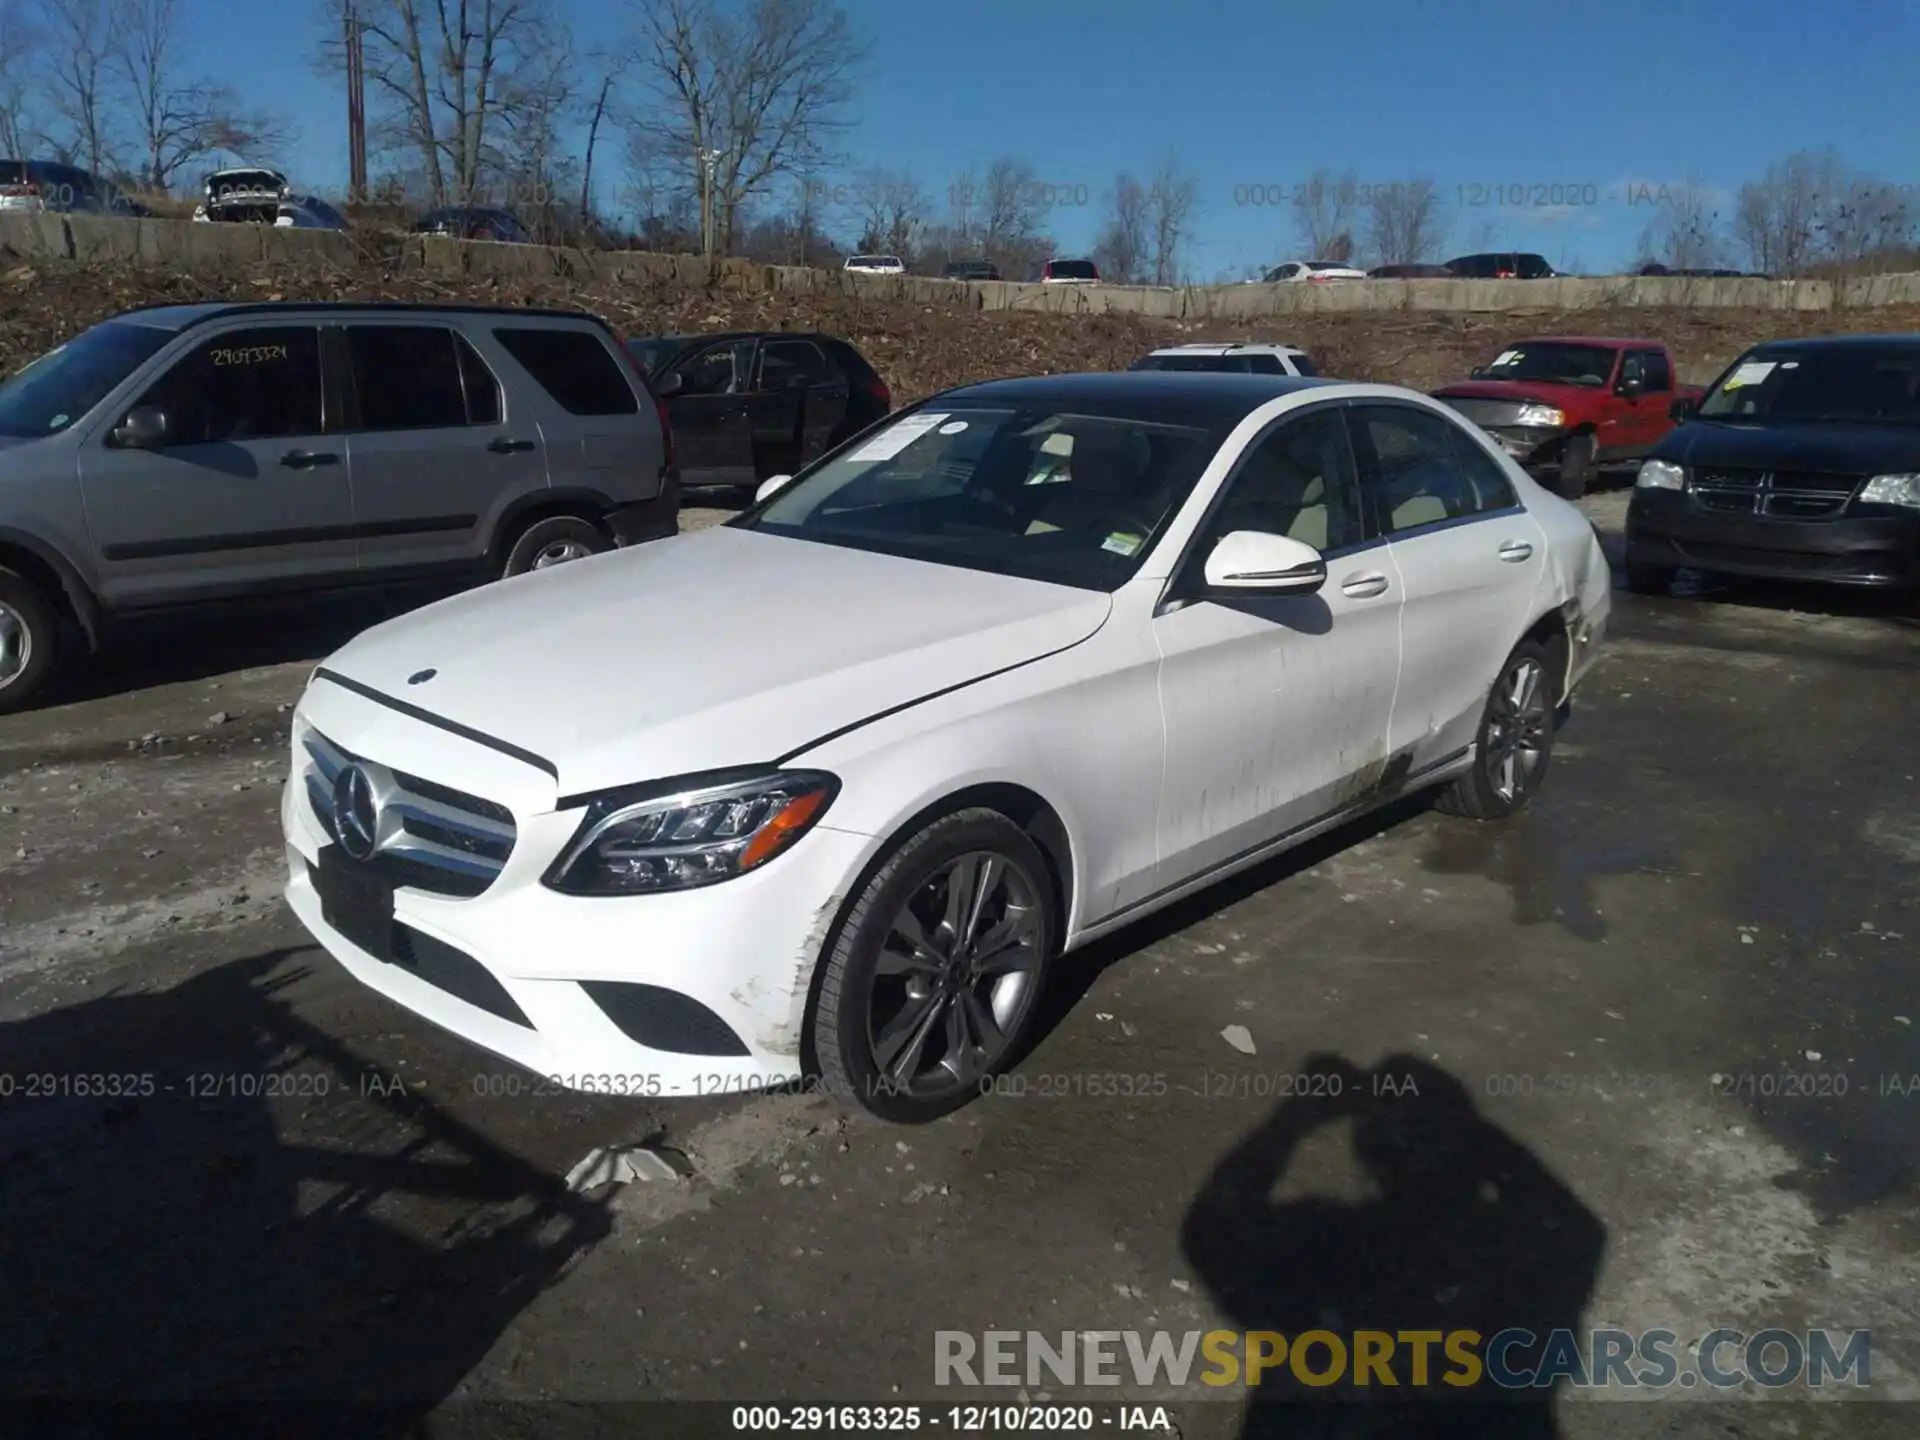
1802, 462
1503, 265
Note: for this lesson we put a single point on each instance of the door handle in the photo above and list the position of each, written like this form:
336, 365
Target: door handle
502, 445
307, 459
1364, 586
1514, 551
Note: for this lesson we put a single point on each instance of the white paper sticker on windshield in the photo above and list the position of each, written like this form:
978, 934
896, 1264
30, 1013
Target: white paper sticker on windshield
1505, 357
953, 427
1751, 373
895, 438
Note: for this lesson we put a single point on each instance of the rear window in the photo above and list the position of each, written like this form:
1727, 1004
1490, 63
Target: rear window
1304, 363
1072, 270
407, 377
574, 368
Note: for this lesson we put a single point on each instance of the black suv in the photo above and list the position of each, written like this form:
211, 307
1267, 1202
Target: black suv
1503, 265
1802, 462
749, 405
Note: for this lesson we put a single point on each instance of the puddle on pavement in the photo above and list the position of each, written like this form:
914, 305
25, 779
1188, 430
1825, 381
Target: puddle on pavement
1548, 862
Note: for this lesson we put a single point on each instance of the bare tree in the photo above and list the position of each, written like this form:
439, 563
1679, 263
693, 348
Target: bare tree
1324, 210
442, 76
178, 118
22, 46
535, 168
78, 74
1171, 197
743, 96
1777, 218
1007, 216
1121, 251
1685, 232
598, 113
1403, 222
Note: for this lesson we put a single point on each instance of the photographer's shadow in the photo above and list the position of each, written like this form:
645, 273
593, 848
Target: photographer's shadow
1465, 1230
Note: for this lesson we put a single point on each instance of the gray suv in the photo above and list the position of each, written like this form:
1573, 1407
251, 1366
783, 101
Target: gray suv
194, 453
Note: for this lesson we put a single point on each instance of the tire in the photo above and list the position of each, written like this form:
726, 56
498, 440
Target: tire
553, 541
1644, 579
1576, 467
30, 641
1517, 721
863, 1023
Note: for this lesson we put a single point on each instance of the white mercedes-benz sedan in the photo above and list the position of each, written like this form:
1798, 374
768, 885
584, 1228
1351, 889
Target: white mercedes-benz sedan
824, 792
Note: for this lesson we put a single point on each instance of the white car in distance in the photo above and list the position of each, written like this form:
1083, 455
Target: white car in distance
876, 264
1295, 272
1026, 663
1241, 358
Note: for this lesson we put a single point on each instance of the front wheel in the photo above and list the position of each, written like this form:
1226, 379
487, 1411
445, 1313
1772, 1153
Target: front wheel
554, 541
29, 641
1515, 740
1576, 467
933, 983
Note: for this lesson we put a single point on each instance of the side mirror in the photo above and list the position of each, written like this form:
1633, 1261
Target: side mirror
668, 385
1479, 372
144, 428
1632, 386
1260, 563
770, 487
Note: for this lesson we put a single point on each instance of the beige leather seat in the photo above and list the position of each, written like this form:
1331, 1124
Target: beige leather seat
1418, 510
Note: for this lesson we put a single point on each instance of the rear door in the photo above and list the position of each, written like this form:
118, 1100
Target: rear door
602, 438
712, 430
799, 401
250, 490
436, 450
1469, 560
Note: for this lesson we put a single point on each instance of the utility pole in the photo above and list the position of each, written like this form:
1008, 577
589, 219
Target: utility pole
709, 210
356, 108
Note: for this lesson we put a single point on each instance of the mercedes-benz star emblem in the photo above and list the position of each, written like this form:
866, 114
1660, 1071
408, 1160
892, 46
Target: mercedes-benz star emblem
420, 677
356, 815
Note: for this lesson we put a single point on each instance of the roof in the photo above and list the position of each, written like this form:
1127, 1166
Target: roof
180, 317
1847, 342
1228, 348
1194, 396
1617, 342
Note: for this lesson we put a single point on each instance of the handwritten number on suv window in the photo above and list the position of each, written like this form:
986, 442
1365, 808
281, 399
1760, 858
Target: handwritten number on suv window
249, 355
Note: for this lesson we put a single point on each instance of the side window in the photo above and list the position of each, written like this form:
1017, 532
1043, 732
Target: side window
1490, 487
791, 364
483, 389
407, 377
1266, 365
1658, 373
261, 384
575, 368
1412, 467
1633, 367
708, 373
1297, 480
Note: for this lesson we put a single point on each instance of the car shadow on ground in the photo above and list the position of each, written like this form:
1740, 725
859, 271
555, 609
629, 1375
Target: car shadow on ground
1464, 1229
205, 1201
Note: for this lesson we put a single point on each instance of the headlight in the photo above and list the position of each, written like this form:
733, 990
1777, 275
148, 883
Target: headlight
1661, 475
1544, 416
704, 830
1893, 490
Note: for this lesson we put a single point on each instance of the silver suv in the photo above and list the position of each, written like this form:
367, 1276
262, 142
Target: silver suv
192, 453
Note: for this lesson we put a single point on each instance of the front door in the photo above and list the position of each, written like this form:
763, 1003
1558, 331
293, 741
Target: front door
248, 490
712, 430
433, 462
1468, 558
798, 403
1276, 707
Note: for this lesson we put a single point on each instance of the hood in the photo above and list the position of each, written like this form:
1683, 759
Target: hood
1544, 392
1856, 448
718, 648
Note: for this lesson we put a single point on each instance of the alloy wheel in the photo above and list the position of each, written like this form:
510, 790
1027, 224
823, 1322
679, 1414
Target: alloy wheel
16, 645
956, 976
558, 552
1518, 729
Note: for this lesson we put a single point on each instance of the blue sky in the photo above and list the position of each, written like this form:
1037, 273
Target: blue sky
1596, 99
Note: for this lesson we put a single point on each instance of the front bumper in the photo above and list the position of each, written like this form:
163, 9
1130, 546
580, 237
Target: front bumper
524, 971
1665, 527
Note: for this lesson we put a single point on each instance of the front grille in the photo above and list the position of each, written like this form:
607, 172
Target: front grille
1780, 494
428, 836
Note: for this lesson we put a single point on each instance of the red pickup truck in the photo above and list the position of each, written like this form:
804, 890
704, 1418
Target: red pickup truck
1567, 406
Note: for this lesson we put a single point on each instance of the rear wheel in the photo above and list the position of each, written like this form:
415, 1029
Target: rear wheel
1515, 740
554, 541
1576, 467
932, 985
29, 641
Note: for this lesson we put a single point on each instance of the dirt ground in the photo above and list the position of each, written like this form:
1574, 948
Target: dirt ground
918, 349
300, 1192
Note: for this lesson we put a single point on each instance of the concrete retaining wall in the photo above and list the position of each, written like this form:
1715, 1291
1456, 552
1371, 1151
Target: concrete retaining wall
184, 245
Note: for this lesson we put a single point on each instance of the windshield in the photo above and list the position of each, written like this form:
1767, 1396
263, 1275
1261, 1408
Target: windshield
1865, 384
1553, 364
1074, 499
1328, 265
652, 354
1071, 270
50, 393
